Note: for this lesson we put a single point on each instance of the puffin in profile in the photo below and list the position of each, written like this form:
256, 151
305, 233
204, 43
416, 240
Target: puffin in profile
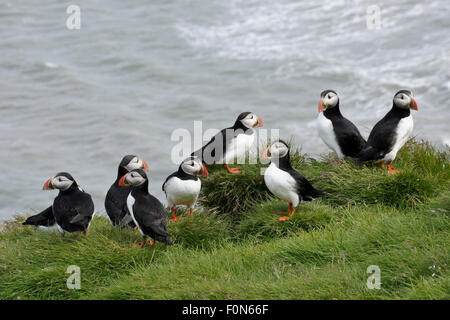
116, 198
390, 133
230, 143
147, 212
43, 220
337, 132
183, 186
283, 181
73, 208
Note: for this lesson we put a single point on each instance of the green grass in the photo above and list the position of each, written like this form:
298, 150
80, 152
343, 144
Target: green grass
235, 247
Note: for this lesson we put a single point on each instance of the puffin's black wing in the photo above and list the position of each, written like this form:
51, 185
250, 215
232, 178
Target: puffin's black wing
381, 139
304, 188
44, 218
116, 206
83, 210
217, 143
152, 220
349, 138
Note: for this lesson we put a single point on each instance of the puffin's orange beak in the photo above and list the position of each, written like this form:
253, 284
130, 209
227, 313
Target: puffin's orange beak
414, 106
48, 185
320, 105
123, 182
205, 171
145, 168
265, 154
259, 123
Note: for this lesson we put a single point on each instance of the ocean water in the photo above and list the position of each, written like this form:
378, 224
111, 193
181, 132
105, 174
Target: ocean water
78, 100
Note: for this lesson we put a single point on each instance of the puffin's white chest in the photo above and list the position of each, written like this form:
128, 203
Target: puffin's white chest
326, 133
281, 184
238, 146
403, 132
130, 202
180, 191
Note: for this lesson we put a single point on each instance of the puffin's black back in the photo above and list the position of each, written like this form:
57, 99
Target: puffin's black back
73, 209
347, 134
116, 198
219, 141
382, 137
150, 214
305, 189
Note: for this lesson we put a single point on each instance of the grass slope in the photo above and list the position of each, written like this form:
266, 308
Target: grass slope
235, 248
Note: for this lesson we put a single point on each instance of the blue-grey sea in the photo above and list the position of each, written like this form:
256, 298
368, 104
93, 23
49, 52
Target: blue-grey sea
78, 100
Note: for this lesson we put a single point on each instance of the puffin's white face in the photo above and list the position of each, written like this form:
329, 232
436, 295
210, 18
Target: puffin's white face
193, 166
58, 182
137, 163
404, 100
252, 121
329, 100
133, 178
276, 150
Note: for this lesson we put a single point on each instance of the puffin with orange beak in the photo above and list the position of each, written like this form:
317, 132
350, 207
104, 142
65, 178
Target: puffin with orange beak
116, 198
183, 186
390, 133
231, 143
147, 212
73, 208
337, 132
285, 182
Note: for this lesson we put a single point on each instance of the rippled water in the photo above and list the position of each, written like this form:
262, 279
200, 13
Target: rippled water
78, 100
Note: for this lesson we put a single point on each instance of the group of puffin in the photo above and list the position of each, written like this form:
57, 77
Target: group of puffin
129, 204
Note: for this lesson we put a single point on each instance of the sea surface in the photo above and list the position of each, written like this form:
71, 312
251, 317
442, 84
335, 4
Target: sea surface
78, 100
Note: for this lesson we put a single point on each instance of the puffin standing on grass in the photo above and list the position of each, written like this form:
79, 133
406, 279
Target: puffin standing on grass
116, 198
147, 211
390, 133
283, 181
73, 208
183, 186
337, 132
231, 143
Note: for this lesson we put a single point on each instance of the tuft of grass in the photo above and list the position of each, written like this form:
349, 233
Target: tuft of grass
241, 251
423, 170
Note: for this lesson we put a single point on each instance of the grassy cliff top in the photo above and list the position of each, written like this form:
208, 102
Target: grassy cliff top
235, 247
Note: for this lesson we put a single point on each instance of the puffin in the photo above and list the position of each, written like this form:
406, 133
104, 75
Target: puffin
43, 220
336, 131
390, 133
285, 182
183, 186
147, 212
72, 208
116, 198
230, 143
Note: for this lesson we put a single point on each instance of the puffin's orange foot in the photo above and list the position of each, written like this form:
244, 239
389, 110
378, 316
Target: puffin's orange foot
136, 228
284, 218
175, 219
232, 170
390, 169
151, 242
394, 171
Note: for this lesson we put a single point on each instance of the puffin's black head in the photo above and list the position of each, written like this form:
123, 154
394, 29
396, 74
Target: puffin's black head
131, 162
328, 99
194, 167
404, 100
277, 150
61, 181
249, 120
133, 178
